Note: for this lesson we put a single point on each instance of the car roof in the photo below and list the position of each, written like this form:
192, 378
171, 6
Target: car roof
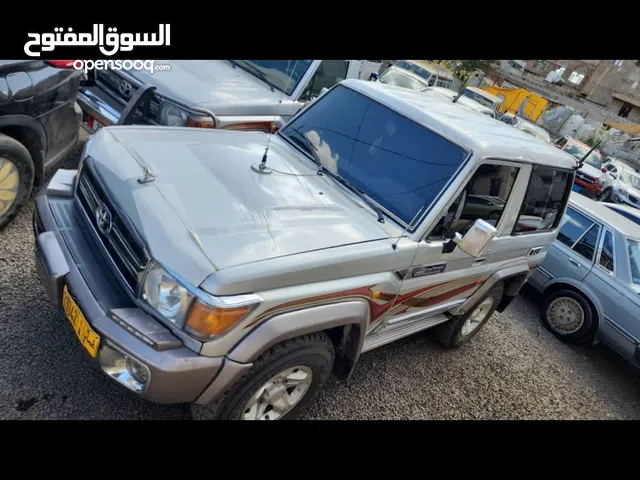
473, 130
485, 94
625, 208
408, 73
604, 214
433, 67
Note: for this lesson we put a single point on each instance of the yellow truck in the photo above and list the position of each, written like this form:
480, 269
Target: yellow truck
519, 101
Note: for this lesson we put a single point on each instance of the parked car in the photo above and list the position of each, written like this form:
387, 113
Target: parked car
590, 279
483, 97
622, 185
435, 75
526, 126
631, 213
450, 95
39, 124
399, 77
222, 94
241, 277
590, 177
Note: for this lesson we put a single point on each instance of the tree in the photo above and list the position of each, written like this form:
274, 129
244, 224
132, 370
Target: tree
464, 68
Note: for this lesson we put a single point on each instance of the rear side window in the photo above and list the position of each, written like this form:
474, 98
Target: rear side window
579, 233
547, 194
400, 164
606, 256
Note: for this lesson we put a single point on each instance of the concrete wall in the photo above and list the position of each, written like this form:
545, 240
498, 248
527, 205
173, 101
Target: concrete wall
610, 78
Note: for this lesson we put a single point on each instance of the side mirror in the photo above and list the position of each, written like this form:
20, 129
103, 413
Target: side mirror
475, 241
374, 76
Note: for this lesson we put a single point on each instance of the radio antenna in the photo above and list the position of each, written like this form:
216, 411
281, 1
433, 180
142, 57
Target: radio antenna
262, 166
395, 245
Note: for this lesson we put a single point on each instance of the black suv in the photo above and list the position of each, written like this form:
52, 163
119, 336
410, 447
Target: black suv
39, 124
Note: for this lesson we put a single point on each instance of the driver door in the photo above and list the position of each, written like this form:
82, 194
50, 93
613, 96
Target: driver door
440, 279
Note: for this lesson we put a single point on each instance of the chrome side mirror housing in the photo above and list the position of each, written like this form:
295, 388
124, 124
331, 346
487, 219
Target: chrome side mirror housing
477, 239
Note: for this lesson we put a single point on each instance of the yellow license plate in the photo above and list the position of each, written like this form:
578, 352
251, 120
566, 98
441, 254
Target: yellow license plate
89, 339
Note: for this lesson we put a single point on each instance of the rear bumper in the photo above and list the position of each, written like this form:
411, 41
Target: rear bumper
66, 255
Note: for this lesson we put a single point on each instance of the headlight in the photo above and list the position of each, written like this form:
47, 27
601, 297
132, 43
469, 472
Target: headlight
166, 295
202, 315
173, 116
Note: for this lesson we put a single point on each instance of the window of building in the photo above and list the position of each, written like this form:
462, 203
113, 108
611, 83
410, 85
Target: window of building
576, 78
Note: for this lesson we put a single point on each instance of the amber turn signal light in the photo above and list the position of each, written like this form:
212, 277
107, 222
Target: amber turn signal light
209, 321
200, 122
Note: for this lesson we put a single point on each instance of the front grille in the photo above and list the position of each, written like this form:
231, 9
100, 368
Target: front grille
125, 252
110, 81
586, 178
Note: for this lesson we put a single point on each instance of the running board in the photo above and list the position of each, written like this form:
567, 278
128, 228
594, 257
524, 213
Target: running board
395, 331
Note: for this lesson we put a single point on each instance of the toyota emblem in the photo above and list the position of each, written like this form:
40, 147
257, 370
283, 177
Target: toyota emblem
125, 88
103, 219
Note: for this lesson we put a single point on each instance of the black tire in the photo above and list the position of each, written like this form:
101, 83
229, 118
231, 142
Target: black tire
586, 331
314, 351
21, 158
450, 335
606, 196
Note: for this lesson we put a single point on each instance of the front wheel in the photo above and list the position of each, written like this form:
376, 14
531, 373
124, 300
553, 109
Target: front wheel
16, 177
279, 385
568, 316
462, 328
606, 196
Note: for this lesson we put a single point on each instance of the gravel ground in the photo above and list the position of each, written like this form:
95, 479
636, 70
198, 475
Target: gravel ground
513, 369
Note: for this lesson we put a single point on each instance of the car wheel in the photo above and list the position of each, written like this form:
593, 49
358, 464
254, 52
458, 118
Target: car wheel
279, 385
568, 316
606, 196
16, 177
462, 328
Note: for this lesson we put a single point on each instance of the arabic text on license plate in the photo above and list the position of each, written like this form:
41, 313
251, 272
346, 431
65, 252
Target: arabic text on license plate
89, 339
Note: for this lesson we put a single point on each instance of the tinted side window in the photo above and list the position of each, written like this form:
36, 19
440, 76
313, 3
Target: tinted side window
485, 197
606, 256
400, 164
574, 226
547, 194
328, 74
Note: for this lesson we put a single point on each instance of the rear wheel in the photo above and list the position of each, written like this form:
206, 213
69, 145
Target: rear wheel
16, 177
462, 328
279, 385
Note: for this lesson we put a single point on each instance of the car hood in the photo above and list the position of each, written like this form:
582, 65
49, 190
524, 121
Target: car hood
591, 171
213, 84
208, 210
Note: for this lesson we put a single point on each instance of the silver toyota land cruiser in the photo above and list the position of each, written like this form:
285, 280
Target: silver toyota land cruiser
237, 271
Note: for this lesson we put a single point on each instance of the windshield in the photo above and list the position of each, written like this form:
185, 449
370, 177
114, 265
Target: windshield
399, 79
284, 75
412, 67
535, 131
577, 151
634, 258
629, 178
477, 97
398, 163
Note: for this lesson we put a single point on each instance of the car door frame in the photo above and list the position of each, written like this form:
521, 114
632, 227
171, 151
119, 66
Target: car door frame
570, 253
427, 281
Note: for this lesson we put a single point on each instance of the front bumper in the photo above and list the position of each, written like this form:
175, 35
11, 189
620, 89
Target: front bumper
591, 188
67, 255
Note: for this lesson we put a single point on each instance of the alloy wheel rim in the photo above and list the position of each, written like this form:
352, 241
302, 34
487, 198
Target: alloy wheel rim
9, 184
478, 315
279, 395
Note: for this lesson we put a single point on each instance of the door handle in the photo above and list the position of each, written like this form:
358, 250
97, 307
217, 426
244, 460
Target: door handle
574, 262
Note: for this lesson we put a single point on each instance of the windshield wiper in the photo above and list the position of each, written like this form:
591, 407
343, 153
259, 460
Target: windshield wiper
255, 70
309, 147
